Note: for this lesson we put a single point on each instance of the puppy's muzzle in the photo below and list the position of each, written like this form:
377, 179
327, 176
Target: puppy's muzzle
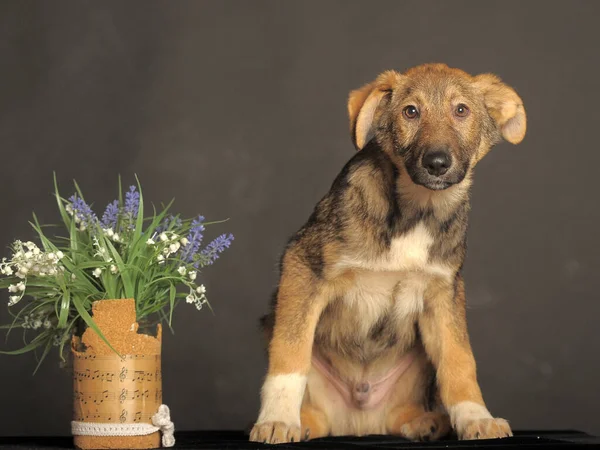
437, 162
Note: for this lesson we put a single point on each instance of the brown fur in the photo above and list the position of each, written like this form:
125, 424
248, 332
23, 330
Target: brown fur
375, 272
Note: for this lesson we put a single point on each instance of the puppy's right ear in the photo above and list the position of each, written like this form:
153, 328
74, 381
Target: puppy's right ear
363, 103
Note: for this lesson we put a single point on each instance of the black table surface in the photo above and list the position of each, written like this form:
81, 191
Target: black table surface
239, 440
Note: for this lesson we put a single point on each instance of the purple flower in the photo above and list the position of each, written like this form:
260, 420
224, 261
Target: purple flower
211, 253
110, 216
82, 211
195, 239
166, 223
132, 202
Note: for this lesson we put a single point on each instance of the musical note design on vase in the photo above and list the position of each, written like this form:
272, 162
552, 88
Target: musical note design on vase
109, 388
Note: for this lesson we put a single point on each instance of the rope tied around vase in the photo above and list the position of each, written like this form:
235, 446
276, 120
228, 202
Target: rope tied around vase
161, 421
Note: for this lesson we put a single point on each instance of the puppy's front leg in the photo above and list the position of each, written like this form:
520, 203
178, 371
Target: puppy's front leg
300, 301
443, 329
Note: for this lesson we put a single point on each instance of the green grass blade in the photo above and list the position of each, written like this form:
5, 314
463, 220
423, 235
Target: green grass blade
139, 223
64, 309
128, 284
172, 292
61, 207
46, 351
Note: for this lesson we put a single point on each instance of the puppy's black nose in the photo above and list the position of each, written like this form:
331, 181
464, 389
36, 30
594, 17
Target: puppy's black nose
437, 162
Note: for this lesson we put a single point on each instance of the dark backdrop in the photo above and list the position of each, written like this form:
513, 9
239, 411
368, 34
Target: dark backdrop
238, 109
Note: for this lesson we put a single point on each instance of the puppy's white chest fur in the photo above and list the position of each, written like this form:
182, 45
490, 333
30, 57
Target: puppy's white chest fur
396, 280
407, 252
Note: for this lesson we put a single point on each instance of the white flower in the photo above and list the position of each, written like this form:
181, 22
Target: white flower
13, 300
201, 289
30, 245
47, 324
8, 270
59, 254
97, 272
192, 275
150, 241
189, 299
163, 237
113, 268
73, 276
51, 256
184, 241
36, 251
28, 255
160, 259
42, 274
21, 275
23, 270
166, 251
20, 286
36, 324
52, 272
174, 237
109, 232
174, 247
12, 288
116, 237
69, 209
182, 270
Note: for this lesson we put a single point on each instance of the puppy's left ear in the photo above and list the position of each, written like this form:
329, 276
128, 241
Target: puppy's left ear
363, 104
504, 106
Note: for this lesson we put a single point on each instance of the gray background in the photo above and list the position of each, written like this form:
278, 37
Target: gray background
237, 109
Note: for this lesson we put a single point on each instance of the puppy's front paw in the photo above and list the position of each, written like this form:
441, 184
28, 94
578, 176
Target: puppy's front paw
275, 433
485, 429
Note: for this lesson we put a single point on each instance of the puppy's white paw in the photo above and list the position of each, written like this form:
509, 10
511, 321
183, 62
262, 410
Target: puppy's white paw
485, 429
279, 418
473, 421
275, 433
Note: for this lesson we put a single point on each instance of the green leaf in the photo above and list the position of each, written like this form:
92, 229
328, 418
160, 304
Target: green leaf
127, 282
135, 248
46, 350
172, 292
64, 309
139, 223
59, 201
121, 204
63, 340
73, 239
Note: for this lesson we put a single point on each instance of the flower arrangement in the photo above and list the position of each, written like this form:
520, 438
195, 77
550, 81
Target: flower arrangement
155, 260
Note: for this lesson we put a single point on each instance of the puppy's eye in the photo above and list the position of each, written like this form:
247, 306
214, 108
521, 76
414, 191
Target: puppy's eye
410, 112
461, 110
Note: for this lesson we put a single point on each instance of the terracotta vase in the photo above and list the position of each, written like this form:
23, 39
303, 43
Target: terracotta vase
123, 389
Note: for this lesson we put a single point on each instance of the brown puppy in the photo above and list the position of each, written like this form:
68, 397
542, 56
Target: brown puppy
368, 331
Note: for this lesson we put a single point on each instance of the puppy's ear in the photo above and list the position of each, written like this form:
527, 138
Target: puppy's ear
504, 106
363, 103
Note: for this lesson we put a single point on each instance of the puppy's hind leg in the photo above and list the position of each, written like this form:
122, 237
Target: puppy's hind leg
314, 423
416, 424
